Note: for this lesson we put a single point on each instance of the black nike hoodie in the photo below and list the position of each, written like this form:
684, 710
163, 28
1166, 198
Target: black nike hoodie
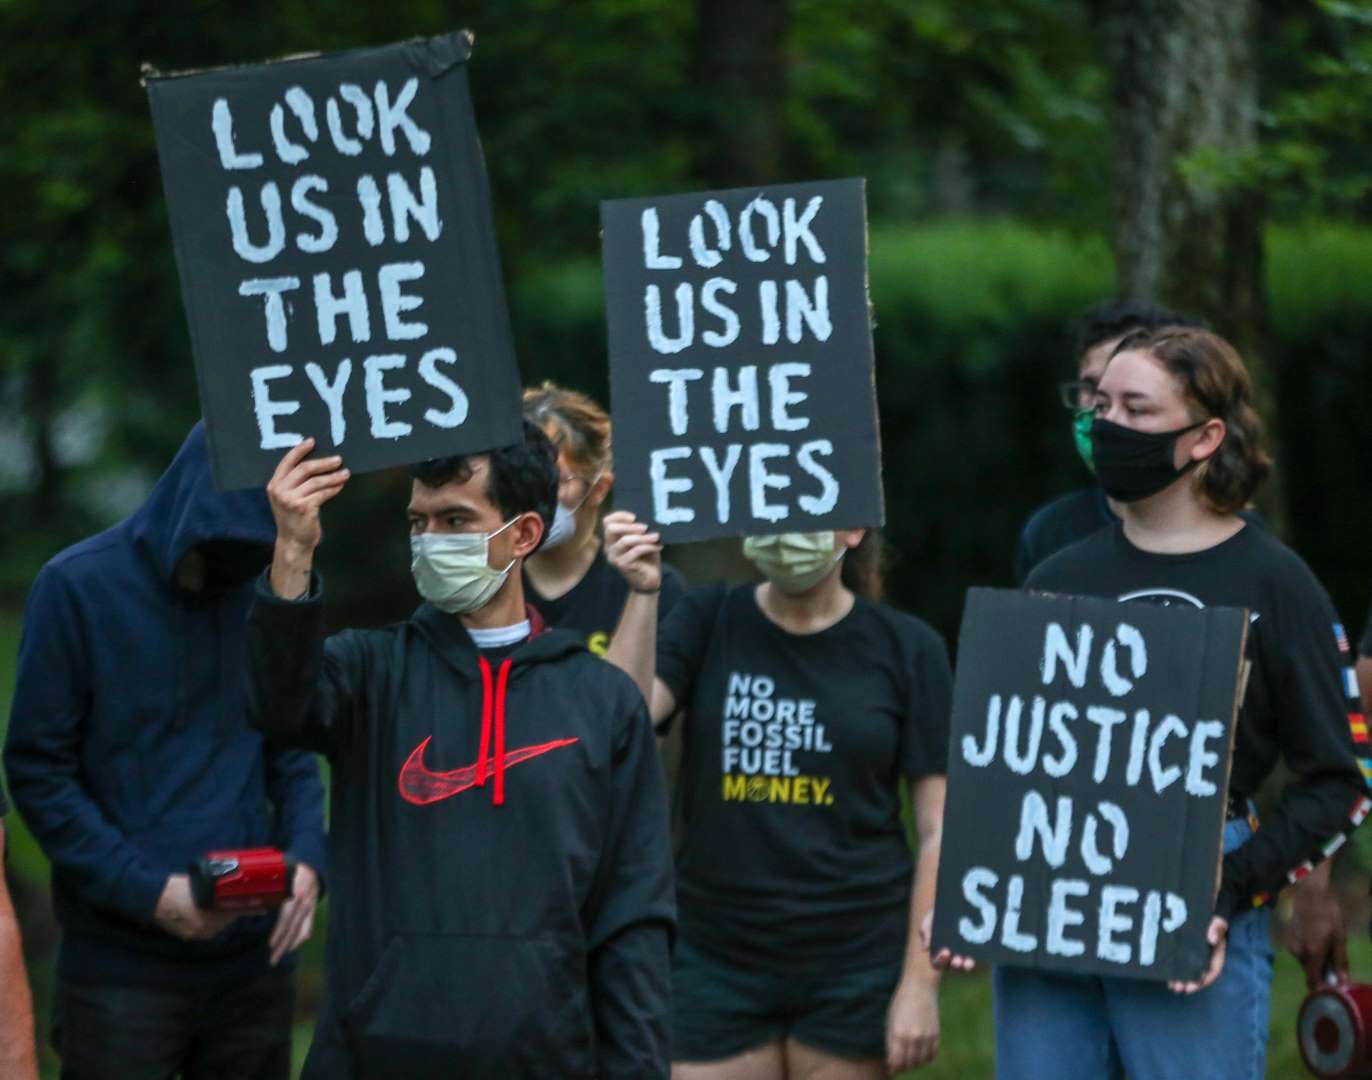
500, 862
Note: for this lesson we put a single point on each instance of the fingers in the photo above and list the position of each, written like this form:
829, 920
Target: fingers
295, 468
1314, 968
291, 458
946, 960
616, 518
1340, 952
207, 925
620, 533
1216, 935
294, 924
639, 552
909, 1051
280, 930
324, 487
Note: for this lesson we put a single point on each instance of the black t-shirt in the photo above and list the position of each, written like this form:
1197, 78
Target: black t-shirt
795, 854
1300, 694
591, 608
1065, 520
1059, 524
1365, 645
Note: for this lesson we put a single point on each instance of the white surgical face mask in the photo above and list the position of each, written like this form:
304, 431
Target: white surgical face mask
453, 571
793, 562
563, 527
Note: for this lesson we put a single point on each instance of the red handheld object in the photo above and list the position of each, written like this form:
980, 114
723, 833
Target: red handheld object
249, 879
1334, 1031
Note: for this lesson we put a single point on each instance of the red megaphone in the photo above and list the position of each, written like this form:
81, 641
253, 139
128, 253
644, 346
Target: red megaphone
1334, 1031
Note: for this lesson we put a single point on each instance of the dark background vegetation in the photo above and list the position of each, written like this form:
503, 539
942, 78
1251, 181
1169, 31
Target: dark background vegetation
1010, 149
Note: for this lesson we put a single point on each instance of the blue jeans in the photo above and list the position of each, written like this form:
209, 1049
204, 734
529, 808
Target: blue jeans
1076, 1027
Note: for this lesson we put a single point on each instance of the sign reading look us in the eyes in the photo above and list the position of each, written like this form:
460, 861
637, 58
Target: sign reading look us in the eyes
332, 226
741, 368
1087, 780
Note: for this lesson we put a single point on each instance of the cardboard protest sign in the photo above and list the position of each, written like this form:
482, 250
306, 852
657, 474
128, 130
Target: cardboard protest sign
333, 233
741, 371
1087, 779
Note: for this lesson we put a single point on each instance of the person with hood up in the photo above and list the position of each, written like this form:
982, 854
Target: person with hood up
500, 863
128, 757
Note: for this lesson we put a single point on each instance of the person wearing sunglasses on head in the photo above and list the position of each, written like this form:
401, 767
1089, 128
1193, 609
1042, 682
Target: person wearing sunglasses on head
568, 579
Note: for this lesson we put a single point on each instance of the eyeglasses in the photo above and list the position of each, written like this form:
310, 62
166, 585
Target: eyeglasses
566, 480
1078, 395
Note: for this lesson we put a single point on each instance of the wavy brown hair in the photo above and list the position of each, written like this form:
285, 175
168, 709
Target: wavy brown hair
1215, 383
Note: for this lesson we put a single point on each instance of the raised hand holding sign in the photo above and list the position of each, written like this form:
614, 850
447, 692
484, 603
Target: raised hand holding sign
333, 233
741, 362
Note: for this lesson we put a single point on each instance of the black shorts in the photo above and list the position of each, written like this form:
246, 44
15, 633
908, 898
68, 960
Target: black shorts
721, 1009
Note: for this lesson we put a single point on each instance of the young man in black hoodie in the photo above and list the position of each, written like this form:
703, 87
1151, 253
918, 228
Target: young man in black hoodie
501, 869
128, 757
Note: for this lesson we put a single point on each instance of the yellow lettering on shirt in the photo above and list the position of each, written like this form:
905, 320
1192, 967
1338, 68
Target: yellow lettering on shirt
790, 790
599, 643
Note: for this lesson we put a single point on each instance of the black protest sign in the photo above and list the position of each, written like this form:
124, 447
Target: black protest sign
1087, 779
332, 226
741, 374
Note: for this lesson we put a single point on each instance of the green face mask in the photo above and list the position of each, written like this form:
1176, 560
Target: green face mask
1081, 435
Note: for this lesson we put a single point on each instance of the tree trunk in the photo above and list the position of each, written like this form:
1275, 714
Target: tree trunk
1183, 79
739, 72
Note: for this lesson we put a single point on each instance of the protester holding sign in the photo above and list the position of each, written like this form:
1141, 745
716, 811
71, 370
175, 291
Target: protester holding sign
568, 579
805, 701
520, 929
1177, 444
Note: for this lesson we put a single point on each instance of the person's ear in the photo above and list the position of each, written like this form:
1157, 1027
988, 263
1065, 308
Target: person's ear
1208, 440
848, 539
600, 490
528, 530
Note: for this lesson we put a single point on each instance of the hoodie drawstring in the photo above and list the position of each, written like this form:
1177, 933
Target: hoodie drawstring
493, 703
499, 796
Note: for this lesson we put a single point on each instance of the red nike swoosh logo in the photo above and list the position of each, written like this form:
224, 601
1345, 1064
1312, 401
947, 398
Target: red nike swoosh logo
421, 786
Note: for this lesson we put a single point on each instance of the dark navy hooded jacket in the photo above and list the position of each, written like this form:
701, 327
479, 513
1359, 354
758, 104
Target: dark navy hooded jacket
128, 754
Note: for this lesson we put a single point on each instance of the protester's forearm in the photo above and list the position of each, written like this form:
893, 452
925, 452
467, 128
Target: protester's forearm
292, 565
633, 648
917, 965
17, 1056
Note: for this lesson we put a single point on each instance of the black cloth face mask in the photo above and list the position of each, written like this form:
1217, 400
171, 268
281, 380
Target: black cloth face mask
1132, 465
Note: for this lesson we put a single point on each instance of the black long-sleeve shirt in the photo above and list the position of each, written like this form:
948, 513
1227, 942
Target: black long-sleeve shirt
501, 864
1300, 699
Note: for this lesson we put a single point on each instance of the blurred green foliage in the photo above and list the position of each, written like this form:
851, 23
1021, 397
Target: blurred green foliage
980, 127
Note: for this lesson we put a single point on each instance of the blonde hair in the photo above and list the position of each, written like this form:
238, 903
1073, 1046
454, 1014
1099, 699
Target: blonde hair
575, 423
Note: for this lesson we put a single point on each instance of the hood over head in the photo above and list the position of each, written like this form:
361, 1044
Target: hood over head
184, 510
